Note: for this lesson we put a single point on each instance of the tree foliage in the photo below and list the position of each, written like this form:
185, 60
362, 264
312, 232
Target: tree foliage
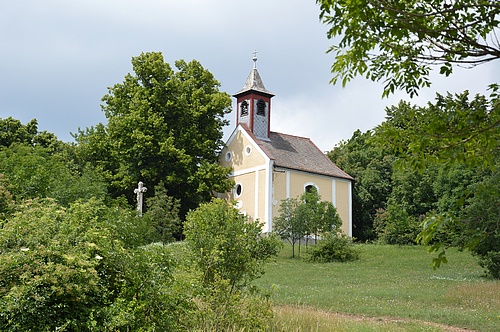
38, 172
305, 216
228, 251
163, 125
454, 129
288, 225
163, 213
371, 165
12, 131
226, 245
398, 42
51, 262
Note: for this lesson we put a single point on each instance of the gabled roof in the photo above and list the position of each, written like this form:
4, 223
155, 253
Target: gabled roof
297, 153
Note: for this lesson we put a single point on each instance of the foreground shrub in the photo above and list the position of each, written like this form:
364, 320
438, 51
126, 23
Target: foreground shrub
491, 262
228, 252
226, 245
222, 308
334, 248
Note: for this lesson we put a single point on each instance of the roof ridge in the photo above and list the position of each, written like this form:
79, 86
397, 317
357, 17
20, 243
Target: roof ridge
297, 136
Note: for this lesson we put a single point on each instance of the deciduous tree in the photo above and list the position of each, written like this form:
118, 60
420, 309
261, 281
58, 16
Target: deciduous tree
163, 125
398, 42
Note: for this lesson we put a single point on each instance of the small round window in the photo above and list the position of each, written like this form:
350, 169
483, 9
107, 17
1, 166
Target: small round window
229, 156
248, 150
238, 190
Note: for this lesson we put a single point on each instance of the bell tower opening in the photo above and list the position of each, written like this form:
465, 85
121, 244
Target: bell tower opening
254, 104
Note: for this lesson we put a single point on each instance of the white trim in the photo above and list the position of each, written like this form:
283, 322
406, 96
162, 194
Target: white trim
248, 170
350, 208
334, 192
307, 184
256, 197
268, 209
287, 173
250, 139
286, 169
235, 194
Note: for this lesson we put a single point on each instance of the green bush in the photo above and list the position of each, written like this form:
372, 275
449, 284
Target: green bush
491, 262
334, 248
396, 226
228, 252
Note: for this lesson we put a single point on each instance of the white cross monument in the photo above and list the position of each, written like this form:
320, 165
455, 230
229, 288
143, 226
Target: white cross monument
139, 191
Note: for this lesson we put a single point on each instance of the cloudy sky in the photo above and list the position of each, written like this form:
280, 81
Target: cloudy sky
58, 57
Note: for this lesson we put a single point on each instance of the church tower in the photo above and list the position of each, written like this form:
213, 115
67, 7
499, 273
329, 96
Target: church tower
253, 104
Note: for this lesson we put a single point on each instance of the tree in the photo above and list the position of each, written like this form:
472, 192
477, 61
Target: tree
458, 136
399, 41
288, 225
227, 251
39, 172
305, 216
52, 265
455, 129
163, 125
12, 131
317, 216
226, 245
163, 210
6, 201
371, 165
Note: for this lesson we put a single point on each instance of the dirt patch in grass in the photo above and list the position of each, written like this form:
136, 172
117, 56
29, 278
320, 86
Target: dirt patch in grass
336, 320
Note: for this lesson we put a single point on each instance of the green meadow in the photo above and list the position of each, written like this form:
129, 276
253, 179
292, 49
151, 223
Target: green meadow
391, 288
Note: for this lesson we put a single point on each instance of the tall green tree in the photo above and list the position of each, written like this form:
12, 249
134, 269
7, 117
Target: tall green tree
458, 136
398, 42
288, 225
163, 212
163, 125
371, 165
12, 131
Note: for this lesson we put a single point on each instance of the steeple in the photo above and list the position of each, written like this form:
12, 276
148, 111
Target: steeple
254, 104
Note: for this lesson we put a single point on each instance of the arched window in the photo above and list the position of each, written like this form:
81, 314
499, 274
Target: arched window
311, 187
244, 108
261, 107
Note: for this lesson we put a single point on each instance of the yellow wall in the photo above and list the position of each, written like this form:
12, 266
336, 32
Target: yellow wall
240, 160
261, 214
278, 191
251, 172
342, 204
297, 181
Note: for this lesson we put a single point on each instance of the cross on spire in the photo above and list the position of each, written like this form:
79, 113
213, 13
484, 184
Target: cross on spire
254, 59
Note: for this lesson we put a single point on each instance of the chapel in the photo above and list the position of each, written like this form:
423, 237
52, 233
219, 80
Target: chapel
268, 167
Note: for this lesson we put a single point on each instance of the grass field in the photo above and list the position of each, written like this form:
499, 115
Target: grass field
390, 289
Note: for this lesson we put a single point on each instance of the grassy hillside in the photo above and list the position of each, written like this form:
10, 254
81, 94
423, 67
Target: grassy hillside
391, 283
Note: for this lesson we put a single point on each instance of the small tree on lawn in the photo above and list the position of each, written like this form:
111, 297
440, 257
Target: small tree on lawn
288, 224
304, 217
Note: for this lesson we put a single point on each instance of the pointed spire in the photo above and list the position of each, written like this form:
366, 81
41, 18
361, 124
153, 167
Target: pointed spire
254, 81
